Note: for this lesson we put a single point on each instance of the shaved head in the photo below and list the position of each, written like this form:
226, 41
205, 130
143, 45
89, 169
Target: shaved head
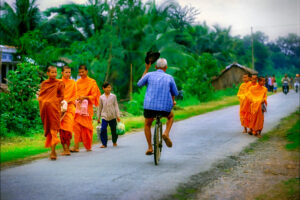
50, 67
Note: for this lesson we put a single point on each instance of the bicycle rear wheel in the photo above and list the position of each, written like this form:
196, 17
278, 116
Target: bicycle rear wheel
157, 143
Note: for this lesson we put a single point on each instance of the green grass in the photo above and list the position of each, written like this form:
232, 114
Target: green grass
286, 190
293, 137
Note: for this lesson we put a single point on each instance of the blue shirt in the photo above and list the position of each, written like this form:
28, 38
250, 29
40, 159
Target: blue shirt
160, 89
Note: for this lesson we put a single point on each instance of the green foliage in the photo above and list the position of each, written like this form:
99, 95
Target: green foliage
135, 106
188, 101
15, 21
23, 83
19, 110
110, 36
293, 136
197, 80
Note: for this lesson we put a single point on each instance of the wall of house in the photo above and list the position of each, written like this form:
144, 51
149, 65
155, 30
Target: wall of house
233, 76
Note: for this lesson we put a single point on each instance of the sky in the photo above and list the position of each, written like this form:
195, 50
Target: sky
273, 17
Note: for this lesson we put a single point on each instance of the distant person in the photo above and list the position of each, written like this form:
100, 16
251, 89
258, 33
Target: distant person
242, 98
266, 84
159, 99
109, 111
258, 99
88, 95
67, 120
285, 82
270, 83
275, 86
297, 82
292, 83
50, 97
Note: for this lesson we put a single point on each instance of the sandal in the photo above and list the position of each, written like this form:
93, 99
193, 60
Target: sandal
53, 157
74, 150
167, 141
149, 152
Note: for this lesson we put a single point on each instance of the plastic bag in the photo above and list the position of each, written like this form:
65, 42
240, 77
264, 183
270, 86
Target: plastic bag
120, 128
64, 106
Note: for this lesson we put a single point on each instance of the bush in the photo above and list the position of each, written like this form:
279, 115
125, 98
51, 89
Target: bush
19, 107
135, 106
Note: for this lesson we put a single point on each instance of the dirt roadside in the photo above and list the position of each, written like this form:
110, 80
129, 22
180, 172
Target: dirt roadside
264, 170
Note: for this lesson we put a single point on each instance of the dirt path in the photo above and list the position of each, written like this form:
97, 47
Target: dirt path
260, 171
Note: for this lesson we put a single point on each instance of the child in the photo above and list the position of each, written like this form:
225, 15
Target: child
275, 86
109, 110
67, 121
50, 98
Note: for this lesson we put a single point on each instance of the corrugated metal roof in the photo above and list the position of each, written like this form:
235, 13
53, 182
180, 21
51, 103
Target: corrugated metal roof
8, 49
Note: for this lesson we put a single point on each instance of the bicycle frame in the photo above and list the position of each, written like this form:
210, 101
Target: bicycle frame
157, 140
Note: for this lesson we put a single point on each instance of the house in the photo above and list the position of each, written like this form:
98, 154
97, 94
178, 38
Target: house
7, 62
231, 75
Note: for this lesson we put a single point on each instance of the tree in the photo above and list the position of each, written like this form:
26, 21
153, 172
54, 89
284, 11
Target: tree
24, 16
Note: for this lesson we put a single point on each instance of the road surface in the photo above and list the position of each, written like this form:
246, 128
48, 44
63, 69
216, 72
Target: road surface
125, 172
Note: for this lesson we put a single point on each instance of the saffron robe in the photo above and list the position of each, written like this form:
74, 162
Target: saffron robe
83, 125
246, 105
67, 122
70, 96
242, 98
257, 96
50, 97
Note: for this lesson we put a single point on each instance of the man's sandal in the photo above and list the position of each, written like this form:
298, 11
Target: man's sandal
149, 152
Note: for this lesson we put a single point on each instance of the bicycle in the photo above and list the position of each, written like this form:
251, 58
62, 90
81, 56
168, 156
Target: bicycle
157, 140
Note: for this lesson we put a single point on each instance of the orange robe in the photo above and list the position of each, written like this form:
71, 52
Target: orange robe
67, 122
257, 95
50, 97
242, 98
83, 125
247, 105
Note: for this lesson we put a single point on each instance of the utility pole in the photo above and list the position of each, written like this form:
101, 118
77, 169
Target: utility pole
252, 48
130, 84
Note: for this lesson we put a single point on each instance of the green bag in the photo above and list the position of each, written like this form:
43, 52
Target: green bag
120, 128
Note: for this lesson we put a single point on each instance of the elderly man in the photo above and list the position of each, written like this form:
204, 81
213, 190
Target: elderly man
159, 99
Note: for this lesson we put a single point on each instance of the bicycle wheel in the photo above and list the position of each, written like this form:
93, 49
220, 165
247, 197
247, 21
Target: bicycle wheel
156, 143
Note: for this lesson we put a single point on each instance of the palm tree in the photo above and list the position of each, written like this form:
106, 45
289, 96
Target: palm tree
16, 20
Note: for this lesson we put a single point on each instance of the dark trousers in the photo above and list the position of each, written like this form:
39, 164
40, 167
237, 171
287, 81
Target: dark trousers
113, 127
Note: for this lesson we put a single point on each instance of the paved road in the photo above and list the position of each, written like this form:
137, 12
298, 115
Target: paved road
126, 173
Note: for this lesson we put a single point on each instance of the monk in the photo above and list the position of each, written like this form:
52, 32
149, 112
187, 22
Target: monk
242, 98
67, 119
50, 98
87, 93
247, 104
258, 98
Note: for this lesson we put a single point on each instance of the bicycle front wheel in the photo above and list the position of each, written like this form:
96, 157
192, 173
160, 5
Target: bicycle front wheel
156, 143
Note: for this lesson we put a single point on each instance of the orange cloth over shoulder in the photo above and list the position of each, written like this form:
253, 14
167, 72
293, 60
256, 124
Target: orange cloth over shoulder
87, 87
50, 97
83, 125
245, 106
257, 95
242, 98
70, 96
